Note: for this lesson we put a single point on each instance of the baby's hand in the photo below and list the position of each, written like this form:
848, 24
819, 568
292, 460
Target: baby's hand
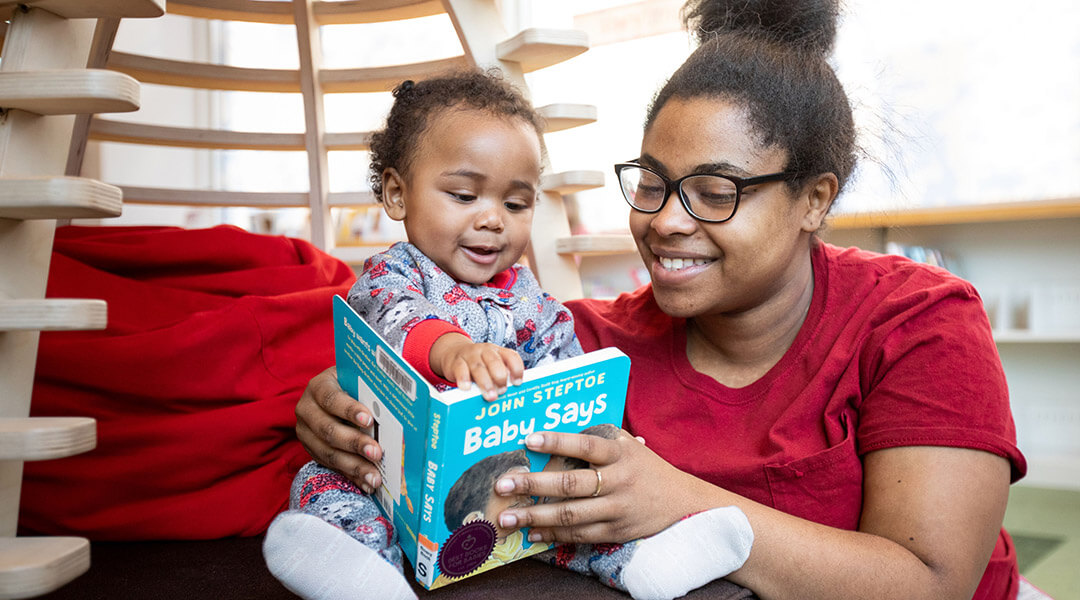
456, 358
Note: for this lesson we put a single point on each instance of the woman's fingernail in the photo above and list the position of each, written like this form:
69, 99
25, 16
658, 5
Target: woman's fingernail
504, 486
366, 488
534, 537
370, 479
507, 521
517, 381
364, 419
369, 451
534, 440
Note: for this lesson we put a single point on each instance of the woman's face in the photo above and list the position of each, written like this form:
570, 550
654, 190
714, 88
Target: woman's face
729, 267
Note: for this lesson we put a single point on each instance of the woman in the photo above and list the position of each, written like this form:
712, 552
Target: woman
852, 405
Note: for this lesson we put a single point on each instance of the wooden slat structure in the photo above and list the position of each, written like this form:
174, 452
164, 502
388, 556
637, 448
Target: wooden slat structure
484, 42
48, 87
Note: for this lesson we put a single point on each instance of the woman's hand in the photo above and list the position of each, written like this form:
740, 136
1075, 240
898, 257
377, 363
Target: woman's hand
328, 422
628, 493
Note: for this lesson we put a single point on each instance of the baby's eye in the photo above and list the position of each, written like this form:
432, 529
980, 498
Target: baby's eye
515, 205
463, 196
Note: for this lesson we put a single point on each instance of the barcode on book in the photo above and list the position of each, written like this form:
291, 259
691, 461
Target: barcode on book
396, 373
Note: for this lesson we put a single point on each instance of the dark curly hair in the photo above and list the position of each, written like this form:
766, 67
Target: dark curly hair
472, 491
415, 102
770, 56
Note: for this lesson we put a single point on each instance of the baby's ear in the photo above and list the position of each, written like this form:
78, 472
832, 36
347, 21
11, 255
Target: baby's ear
393, 194
473, 516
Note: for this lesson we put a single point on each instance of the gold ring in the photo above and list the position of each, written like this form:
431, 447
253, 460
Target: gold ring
599, 482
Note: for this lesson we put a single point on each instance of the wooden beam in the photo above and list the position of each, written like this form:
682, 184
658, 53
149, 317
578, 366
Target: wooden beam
93, 9
69, 91
310, 47
107, 130
100, 48
326, 13
46, 438
177, 197
163, 71
58, 198
386, 78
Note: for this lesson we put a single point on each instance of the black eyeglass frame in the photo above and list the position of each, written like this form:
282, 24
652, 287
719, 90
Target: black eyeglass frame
671, 186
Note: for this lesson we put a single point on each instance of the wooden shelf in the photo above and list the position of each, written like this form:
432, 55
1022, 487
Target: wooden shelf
596, 245
52, 315
326, 13
977, 213
69, 91
90, 9
46, 438
566, 116
33, 566
58, 198
569, 182
536, 49
1019, 336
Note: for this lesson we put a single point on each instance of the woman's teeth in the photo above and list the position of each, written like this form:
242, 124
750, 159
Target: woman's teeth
674, 264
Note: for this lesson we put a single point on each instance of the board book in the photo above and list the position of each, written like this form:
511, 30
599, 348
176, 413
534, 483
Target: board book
443, 450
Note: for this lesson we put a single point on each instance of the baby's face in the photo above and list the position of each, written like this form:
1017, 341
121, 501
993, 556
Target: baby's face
470, 193
496, 504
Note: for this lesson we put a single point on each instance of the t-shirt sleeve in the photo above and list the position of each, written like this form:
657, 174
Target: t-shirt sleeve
934, 377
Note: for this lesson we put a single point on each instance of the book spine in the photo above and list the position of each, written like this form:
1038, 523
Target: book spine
427, 551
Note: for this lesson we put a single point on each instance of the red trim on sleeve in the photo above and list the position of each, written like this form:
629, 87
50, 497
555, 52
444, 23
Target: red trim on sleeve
418, 343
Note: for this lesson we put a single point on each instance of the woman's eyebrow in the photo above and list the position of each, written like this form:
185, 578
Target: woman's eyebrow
721, 167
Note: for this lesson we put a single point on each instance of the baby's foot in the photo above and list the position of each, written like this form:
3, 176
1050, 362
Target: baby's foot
318, 561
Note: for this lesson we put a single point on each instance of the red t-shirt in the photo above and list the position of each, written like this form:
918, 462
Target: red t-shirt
892, 353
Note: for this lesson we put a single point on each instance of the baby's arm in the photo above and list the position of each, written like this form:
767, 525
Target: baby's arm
457, 358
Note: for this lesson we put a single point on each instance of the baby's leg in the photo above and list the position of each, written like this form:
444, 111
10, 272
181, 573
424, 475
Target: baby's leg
334, 542
689, 554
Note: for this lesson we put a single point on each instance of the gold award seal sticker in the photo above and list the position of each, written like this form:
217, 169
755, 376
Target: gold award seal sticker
467, 548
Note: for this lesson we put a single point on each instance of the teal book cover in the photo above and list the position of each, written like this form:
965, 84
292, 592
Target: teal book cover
443, 451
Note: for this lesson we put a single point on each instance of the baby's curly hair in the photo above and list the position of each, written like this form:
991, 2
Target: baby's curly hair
415, 102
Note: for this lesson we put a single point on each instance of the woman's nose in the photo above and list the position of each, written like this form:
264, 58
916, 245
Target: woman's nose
673, 217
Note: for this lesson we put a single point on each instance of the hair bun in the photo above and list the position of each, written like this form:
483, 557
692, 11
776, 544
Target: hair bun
404, 87
806, 24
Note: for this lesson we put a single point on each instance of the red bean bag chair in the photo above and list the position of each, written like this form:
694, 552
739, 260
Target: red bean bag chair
212, 335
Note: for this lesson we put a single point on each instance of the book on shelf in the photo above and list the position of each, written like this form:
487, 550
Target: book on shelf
444, 450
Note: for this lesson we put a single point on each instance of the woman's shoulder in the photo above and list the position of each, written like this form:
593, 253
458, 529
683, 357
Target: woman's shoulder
630, 317
887, 275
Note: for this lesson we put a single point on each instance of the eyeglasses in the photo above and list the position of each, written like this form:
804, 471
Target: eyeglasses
710, 198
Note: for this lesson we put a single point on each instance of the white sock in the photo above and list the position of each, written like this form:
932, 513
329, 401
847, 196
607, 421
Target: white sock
318, 561
689, 554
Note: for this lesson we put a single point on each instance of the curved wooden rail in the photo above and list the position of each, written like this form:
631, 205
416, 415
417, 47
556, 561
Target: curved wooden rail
326, 13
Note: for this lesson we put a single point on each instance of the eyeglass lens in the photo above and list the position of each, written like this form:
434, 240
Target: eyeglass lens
709, 196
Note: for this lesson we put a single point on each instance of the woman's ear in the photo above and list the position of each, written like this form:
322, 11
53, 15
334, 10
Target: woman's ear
393, 194
819, 195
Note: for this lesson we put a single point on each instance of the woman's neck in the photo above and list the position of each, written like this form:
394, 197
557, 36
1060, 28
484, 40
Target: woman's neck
737, 350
